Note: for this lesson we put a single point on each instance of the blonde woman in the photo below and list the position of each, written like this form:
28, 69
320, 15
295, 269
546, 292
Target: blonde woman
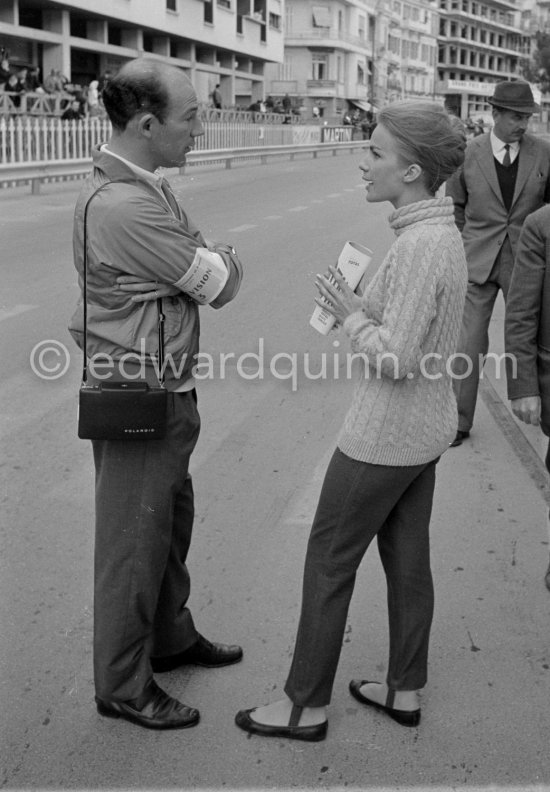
381, 478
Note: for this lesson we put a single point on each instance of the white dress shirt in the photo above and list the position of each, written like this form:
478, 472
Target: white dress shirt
499, 149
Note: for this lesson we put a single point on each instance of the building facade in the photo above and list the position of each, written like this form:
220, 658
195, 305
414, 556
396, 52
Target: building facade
335, 55
480, 43
409, 38
356, 53
225, 42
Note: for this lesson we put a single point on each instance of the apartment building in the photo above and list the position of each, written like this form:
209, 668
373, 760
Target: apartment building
480, 42
411, 49
225, 42
536, 16
329, 53
356, 53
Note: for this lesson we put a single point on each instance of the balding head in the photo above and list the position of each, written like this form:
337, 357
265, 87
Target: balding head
145, 86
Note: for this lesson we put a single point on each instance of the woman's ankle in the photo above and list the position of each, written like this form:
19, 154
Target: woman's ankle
396, 699
278, 714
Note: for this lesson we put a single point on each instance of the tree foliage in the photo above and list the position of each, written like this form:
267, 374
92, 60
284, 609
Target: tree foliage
538, 70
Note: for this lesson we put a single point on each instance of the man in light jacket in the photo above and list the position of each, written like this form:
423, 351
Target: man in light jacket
142, 247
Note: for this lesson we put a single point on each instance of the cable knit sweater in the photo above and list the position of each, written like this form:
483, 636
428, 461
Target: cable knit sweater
403, 410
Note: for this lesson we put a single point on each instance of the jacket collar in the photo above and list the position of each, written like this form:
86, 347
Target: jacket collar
115, 168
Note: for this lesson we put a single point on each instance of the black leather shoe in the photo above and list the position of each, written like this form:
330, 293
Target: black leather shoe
460, 436
155, 709
403, 717
202, 653
293, 731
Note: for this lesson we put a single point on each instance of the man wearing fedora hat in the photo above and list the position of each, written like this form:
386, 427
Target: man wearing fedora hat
505, 177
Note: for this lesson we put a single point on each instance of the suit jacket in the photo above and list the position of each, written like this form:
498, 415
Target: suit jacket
480, 213
527, 324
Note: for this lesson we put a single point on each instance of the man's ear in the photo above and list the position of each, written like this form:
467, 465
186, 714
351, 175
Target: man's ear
412, 173
144, 124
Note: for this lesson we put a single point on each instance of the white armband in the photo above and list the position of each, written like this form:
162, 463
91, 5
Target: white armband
205, 278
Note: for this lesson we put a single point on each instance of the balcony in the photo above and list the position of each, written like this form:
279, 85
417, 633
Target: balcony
322, 87
483, 47
321, 35
501, 23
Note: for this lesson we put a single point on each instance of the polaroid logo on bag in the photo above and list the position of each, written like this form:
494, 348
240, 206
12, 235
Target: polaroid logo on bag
139, 431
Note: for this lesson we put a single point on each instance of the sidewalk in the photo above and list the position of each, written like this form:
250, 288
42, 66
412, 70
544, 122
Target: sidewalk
528, 442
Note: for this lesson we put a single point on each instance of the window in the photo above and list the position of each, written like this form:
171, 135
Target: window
394, 44
285, 70
360, 74
224, 3
274, 21
321, 16
289, 17
319, 64
171, 5
114, 35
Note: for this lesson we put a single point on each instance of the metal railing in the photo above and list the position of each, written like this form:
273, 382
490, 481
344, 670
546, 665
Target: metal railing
14, 103
43, 139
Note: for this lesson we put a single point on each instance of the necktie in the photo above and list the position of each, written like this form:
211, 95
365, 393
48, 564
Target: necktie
507, 161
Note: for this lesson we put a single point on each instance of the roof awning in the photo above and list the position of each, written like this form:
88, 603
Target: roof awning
362, 105
321, 16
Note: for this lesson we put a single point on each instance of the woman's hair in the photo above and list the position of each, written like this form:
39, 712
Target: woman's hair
426, 135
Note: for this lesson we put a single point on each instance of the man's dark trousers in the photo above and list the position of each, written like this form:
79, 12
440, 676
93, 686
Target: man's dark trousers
473, 344
144, 520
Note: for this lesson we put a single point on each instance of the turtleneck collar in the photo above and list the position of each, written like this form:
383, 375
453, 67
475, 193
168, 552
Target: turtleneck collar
432, 211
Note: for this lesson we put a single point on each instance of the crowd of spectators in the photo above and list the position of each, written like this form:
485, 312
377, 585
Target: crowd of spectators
73, 101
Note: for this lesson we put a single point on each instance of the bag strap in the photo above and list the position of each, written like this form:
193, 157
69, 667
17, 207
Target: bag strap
161, 317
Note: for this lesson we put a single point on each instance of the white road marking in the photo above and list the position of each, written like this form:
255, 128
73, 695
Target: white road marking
302, 508
7, 313
238, 229
273, 217
298, 209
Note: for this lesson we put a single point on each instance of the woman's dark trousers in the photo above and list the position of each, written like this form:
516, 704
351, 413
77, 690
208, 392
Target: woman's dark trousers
358, 502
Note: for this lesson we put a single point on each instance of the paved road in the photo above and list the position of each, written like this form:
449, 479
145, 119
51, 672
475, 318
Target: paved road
257, 471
